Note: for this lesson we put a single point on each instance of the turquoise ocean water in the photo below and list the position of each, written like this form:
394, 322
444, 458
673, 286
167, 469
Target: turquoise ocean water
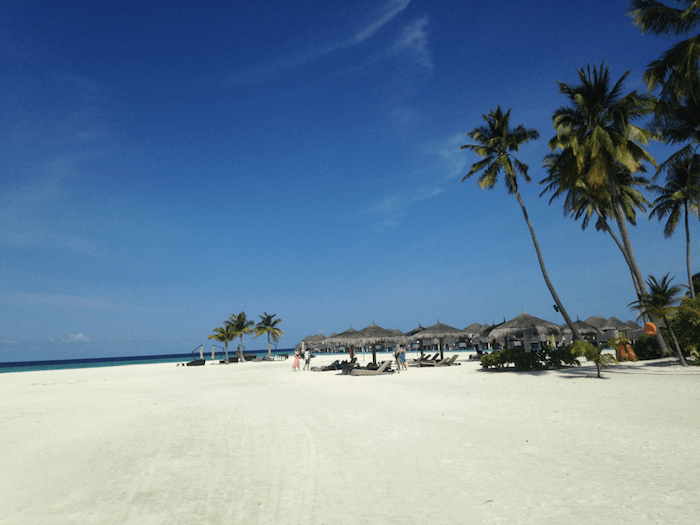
97, 362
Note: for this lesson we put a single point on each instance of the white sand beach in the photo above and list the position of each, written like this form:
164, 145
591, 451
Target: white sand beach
258, 443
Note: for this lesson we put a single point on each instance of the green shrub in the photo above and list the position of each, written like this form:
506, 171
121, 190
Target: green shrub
536, 360
647, 348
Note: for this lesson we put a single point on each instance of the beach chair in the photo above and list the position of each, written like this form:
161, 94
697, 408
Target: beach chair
384, 368
448, 361
437, 362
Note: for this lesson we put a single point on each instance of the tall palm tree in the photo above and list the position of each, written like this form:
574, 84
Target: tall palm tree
597, 143
268, 325
661, 301
580, 202
240, 325
682, 190
225, 335
497, 143
679, 64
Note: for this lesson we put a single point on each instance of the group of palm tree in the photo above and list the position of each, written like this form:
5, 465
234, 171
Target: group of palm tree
239, 325
598, 153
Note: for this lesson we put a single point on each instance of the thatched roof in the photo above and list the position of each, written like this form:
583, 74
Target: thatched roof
370, 335
596, 321
613, 324
473, 328
437, 331
419, 328
524, 324
314, 338
631, 325
342, 337
483, 332
582, 327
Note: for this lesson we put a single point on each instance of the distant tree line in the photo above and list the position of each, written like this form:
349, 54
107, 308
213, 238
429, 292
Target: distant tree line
239, 325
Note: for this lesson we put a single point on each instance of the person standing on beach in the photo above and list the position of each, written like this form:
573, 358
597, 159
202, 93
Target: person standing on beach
402, 357
307, 361
397, 356
295, 364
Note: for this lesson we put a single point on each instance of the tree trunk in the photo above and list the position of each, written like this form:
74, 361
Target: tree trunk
269, 347
226, 349
241, 358
681, 357
560, 306
687, 252
621, 220
609, 230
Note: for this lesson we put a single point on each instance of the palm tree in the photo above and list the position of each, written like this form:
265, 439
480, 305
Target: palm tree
581, 203
679, 64
224, 334
661, 301
497, 143
240, 325
599, 147
268, 325
682, 189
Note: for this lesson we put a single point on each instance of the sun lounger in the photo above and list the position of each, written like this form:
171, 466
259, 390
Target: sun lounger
448, 361
196, 362
384, 368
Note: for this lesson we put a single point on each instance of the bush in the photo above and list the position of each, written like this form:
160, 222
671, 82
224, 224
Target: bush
646, 348
536, 360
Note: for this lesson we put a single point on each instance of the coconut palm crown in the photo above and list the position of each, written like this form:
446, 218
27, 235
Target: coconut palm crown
240, 325
681, 193
268, 325
679, 64
224, 334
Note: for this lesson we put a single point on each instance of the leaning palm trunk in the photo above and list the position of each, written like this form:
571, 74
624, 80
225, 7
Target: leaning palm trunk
687, 252
681, 357
269, 347
615, 238
560, 306
631, 261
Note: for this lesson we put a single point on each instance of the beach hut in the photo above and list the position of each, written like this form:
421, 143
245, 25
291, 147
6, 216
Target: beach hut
587, 331
525, 327
614, 328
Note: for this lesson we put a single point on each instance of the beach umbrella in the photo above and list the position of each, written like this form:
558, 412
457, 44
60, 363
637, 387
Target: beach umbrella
441, 332
408, 336
370, 335
524, 327
344, 338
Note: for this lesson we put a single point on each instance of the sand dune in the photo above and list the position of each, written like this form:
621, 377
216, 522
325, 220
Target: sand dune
258, 443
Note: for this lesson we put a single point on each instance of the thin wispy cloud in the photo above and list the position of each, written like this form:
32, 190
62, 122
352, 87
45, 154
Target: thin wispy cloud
413, 38
451, 164
390, 10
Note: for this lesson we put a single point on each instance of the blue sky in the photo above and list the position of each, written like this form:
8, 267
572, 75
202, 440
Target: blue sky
166, 164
